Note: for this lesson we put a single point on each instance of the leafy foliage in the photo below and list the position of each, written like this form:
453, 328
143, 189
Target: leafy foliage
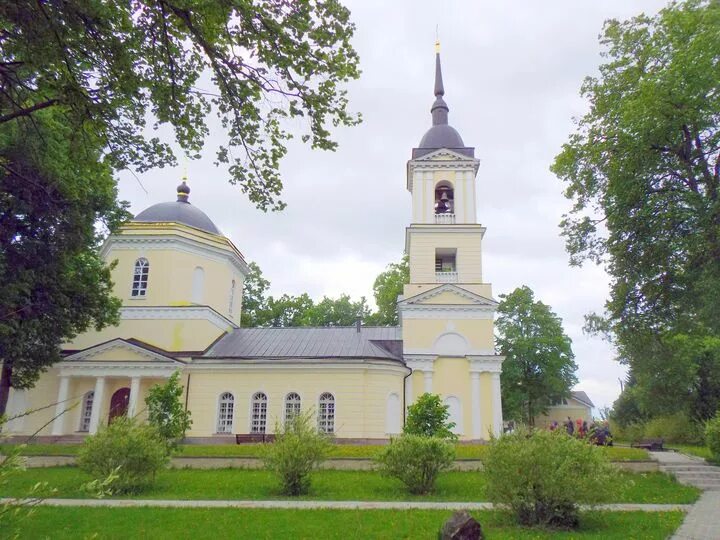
643, 172
113, 64
130, 451
387, 287
428, 417
676, 428
539, 364
166, 411
416, 460
544, 475
299, 448
54, 190
712, 436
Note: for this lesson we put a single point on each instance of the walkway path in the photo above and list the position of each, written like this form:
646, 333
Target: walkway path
703, 520
315, 505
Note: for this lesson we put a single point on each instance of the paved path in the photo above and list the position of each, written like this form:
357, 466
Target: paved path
703, 520
314, 505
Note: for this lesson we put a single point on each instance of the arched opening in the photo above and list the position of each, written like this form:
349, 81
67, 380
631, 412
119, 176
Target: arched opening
141, 274
86, 412
456, 416
226, 413
393, 416
444, 198
326, 413
292, 405
198, 284
119, 404
258, 422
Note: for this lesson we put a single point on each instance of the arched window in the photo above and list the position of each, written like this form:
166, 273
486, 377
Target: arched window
232, 298
456, 416
140, 277
292, 406
326, 413
393, 420
86, 411
444, 198
198, 284
226, 413
259, 413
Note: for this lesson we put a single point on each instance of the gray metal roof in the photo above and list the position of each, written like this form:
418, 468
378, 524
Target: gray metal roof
581, 396
303, 342
180, 211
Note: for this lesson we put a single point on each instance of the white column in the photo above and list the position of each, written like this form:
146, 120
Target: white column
58, 427
97, 404
409, 398
134, 393
497, 405
475, 404
428, 381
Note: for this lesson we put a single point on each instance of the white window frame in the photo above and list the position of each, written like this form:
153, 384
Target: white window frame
198, 285
225, 413
293, 405
258, 412
140, 278
326, 413
231, 303
86, 411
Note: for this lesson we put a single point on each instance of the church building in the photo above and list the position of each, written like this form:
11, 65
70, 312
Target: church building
181, 283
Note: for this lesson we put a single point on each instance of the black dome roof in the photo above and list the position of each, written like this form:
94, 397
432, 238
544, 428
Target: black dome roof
180, 211
441, 136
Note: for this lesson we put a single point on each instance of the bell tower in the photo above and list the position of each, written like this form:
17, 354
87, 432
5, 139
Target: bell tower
446, 310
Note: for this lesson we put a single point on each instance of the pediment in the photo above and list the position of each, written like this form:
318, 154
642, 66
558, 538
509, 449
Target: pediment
444, 154
119, 350
449, 295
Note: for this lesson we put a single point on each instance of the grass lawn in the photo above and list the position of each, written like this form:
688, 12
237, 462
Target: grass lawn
464, 451
172, 523
330, 485
699, 451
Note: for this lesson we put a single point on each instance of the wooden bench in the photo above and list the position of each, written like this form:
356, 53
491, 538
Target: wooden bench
654, 445
244, 438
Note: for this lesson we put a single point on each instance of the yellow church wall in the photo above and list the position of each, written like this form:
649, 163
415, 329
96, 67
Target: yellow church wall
171, 280
171, 335
486, 404
452, 378
44, 393
360, 396
422, 333
422, 245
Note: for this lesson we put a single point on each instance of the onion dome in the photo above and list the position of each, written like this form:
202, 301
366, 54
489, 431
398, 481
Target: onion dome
180, 211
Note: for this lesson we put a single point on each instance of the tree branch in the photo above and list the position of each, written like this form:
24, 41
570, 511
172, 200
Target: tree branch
29, 110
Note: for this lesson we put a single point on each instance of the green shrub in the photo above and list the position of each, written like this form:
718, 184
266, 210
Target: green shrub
676, 428
299, 448
166, 411
629, 433
132, 452
544, 475
428, 416
712, 436
416, 460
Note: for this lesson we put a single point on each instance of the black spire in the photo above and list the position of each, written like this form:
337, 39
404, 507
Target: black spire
439, 109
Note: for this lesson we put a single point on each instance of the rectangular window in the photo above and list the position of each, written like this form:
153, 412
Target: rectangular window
445, 265
259, 415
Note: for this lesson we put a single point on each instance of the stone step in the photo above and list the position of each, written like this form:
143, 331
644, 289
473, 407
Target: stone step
703, 468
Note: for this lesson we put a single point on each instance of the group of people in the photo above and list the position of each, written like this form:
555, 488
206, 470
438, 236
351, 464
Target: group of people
597, 433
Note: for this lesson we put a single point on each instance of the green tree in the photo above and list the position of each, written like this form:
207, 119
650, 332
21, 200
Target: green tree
287, 310
254, 299
54, 189
387, 287
340, 311
115, 65
166, 410
643, 172
539, 366
428, 417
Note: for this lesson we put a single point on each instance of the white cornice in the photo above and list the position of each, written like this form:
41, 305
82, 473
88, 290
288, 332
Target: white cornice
478, 300
491, 363
424, 353
437, 311
174, 242
155, 313
118, 369
431, 162
305, 364
420, 362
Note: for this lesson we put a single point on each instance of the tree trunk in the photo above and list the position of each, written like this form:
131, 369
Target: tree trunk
5, 375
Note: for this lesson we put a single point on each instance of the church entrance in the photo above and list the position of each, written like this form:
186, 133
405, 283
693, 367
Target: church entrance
119, 404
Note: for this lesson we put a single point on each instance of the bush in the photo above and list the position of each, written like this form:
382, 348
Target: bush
712, 436
166, 411
428, 416
544, 475
676, 428
133, 452
299, 448
416, 460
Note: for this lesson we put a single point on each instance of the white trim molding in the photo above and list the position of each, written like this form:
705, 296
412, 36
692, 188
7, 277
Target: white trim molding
119, 369
490, 363
420, 362
154, 313
117, 343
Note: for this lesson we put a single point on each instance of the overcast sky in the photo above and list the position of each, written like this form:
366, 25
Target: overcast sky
512, 73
